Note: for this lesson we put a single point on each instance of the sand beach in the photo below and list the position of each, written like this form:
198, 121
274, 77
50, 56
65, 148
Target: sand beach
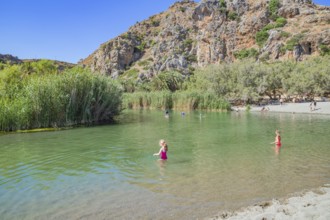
314, 204
321, 108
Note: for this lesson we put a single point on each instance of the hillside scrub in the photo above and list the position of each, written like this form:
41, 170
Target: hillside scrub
245, 80
41, 98
250, 81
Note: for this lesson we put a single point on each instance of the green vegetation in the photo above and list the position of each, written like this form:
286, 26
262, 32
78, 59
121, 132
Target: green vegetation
152, 43
261, 37
168, 81
133, 72
143, 63
285, 34
294, 41
250, 81
246, 53
142, 46
187, 43
125, 35
324, 50
247, 81
190, 100
273, 8
191, 58
223, 6
232, 15
36, 95
155, 22
281, 22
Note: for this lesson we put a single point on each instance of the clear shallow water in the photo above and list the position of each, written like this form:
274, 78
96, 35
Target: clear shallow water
219, 161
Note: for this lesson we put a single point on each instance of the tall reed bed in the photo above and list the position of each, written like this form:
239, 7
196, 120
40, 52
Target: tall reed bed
184, 100
58, 100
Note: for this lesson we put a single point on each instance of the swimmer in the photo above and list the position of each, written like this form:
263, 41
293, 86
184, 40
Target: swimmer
163, 150
277, 141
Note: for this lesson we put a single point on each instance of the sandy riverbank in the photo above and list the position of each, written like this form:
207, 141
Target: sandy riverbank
311, 205
304, 108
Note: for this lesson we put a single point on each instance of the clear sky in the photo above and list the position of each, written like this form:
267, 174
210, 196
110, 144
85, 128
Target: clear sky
69, 30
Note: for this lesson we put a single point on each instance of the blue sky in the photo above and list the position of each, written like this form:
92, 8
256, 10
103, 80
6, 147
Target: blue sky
69, 30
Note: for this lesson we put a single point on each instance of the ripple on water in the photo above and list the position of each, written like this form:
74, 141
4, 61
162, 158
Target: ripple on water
220, 161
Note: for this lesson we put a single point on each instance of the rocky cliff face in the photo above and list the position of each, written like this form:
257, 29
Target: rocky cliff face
190, 35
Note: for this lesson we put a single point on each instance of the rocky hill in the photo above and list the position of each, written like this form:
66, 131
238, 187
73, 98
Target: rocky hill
190, 35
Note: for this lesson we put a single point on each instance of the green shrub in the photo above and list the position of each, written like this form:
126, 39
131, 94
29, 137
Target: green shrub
133, 72
261, 37
191, 58
281, 22
273, 8
187, 43
232, 15
143, 63
155, 23
294, 41
125, 36
324, 50
223, 6
152, 43
268, 27
142, 46
169, 81
284, 34
246, 53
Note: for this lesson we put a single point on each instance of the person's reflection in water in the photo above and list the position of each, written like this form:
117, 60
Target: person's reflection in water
277, 149
162, 168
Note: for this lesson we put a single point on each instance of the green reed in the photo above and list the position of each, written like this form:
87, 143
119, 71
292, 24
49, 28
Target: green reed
188, 100
58, 100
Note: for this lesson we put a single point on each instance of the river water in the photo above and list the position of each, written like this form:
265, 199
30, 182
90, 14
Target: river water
217, 161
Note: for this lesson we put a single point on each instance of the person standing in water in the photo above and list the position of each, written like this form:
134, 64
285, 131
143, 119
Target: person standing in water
277, 141
163, 150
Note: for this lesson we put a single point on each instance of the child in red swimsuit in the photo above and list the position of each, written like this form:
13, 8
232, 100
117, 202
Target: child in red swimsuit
277, 141
163, 150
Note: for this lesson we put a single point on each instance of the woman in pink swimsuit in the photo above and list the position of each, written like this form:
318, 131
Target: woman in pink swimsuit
163, 150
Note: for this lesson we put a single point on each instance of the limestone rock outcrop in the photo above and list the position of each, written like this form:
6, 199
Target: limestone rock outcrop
190, 35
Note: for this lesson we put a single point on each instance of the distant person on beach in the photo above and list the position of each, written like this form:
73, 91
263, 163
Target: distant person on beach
265, 109
277, 141
311, 106
167, 114
314, 105
163, 150
281, 101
